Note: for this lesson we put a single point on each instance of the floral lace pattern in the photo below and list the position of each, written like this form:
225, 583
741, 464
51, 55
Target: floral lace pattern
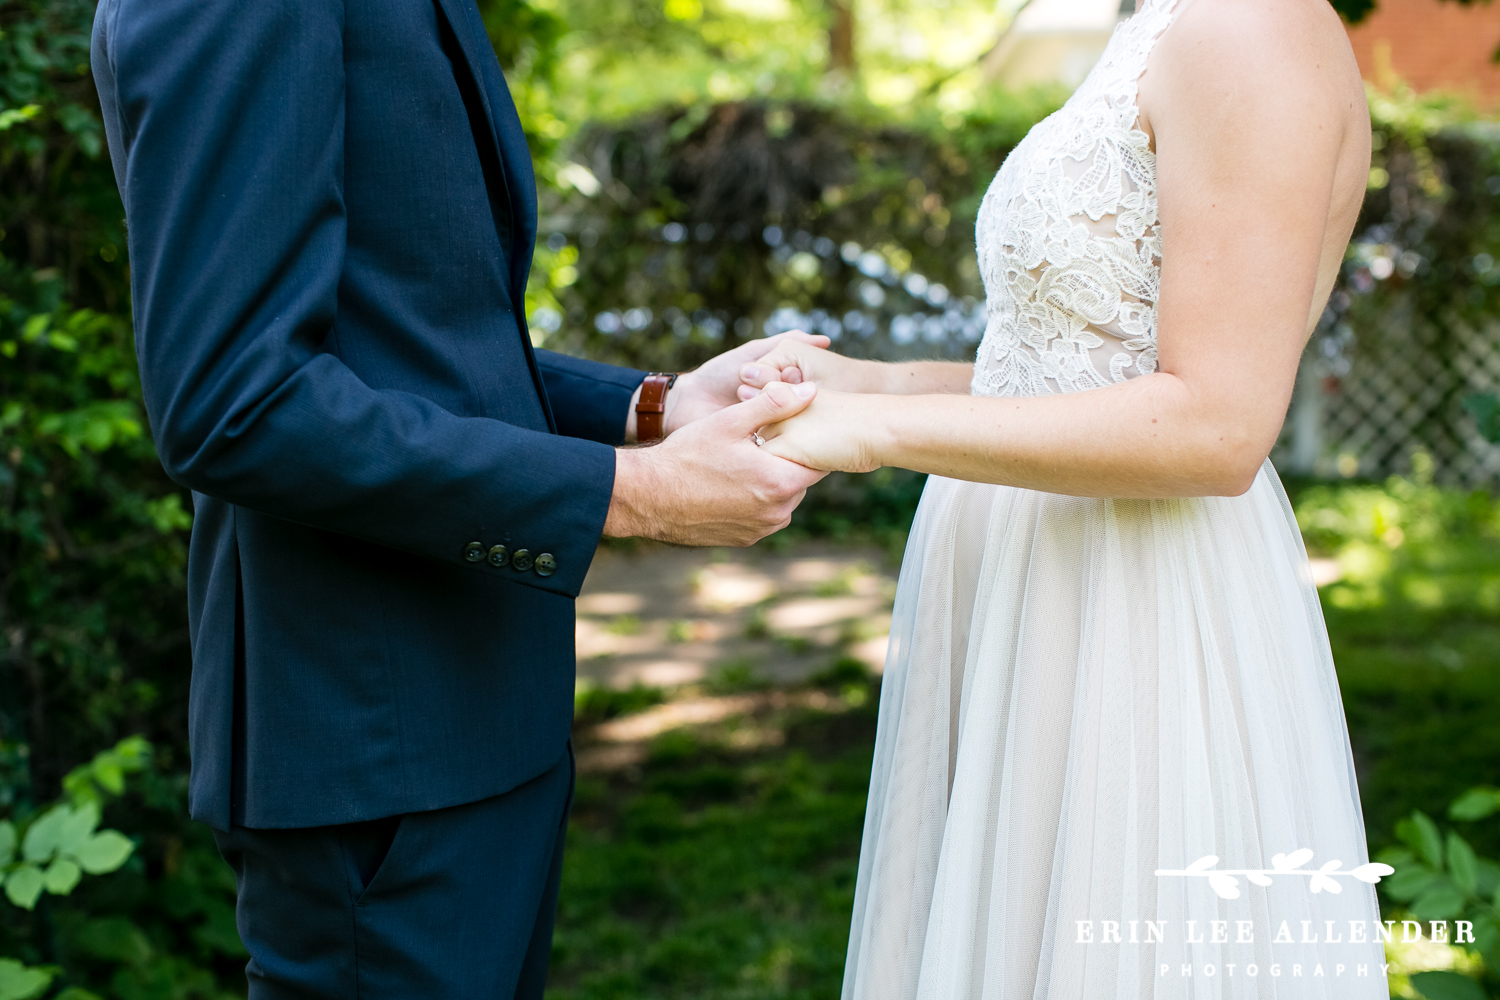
1067, 237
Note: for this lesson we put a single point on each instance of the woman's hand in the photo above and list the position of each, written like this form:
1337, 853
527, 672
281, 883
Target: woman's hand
716, 383
838, 432
794, 360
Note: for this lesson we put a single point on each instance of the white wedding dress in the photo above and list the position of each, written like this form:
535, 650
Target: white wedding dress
1080, 692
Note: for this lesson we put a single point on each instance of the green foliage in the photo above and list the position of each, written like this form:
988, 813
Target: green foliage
1439, 877
593, 704
700, 227
88, 784
1415, 627
1447, 986
1485, 408
1353, 11
1475, 804
161, 925
1407, 543
93, 637
17, 982
57, 846
736, 677
92, 534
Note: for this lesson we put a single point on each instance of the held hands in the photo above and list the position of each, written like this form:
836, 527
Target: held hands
716, 383
796, 360
838, 432
708, 483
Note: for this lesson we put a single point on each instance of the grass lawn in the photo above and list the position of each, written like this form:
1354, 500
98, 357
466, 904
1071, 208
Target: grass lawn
722, 865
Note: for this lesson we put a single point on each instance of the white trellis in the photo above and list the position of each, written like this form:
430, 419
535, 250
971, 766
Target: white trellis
1400, 395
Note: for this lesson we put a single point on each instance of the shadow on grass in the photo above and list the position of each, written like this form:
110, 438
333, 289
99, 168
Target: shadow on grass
723, 865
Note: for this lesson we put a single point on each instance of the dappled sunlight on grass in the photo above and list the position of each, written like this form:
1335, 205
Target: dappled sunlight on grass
716, 856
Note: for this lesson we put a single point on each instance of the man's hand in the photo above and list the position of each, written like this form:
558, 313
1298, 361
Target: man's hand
709, 484
715, 384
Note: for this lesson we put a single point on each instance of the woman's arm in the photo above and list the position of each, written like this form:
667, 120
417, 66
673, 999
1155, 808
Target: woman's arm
1153, 436
1262, 142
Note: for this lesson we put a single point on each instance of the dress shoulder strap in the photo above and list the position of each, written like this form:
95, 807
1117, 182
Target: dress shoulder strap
1119, 71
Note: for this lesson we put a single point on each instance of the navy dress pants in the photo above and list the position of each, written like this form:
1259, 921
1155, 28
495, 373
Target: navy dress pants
452, 903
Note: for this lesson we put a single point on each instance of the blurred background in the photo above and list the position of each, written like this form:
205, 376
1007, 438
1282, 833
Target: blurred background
712, 171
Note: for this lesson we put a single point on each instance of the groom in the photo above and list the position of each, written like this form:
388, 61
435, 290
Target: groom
331, 216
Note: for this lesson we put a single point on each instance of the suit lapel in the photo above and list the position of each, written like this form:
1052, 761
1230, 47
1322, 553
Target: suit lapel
505, 132
515, 163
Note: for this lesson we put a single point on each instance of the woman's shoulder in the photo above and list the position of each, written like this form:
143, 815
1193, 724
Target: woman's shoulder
1282, 65
1259, 43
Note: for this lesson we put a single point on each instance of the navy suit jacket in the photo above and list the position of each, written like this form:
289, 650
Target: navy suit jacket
331, 217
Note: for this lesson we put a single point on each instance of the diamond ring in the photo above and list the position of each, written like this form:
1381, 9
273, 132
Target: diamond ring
755, 436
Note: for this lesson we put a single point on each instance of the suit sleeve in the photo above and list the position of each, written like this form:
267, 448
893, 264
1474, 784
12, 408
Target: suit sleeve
232, 122
589, 400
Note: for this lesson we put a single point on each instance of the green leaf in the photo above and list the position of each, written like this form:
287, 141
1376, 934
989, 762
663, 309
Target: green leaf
103, 852
77, 828
96, 426
1407, 884
107, 770
41, 837
7, 842
1447, 986
1486, 936
34, 327
1489, 877
77, 993
24, 885
1485, 407
1475, 804
1463, 866
113, 939
15, 116
109, 775
167, 514
61, 877
1430, 841
1442, 901
1408, 834
17, 982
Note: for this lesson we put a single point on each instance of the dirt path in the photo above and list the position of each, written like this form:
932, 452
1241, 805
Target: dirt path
666, 617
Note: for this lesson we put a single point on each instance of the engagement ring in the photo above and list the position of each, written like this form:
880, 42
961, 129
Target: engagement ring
755, 436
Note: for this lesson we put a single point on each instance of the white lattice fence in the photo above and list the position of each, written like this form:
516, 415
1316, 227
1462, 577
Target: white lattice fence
1401, 393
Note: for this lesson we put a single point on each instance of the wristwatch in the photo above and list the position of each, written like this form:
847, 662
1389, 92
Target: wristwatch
651, 410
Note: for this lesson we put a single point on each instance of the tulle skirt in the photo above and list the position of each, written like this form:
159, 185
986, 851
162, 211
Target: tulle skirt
1080, 693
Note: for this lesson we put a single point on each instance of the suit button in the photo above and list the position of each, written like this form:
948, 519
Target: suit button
546, 564
474, 551
521, 559
499, 555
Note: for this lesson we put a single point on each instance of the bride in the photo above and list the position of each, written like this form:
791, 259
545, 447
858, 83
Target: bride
1112, 759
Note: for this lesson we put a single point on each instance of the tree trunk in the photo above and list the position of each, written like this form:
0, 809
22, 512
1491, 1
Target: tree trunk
841, 36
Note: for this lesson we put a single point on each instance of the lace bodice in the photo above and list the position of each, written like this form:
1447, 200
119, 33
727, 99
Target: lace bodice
1067, 236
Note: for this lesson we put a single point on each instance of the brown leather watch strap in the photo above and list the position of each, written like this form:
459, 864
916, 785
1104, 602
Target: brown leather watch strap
651, 410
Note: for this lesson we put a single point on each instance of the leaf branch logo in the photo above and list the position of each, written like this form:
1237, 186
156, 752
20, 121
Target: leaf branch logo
1324, 879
